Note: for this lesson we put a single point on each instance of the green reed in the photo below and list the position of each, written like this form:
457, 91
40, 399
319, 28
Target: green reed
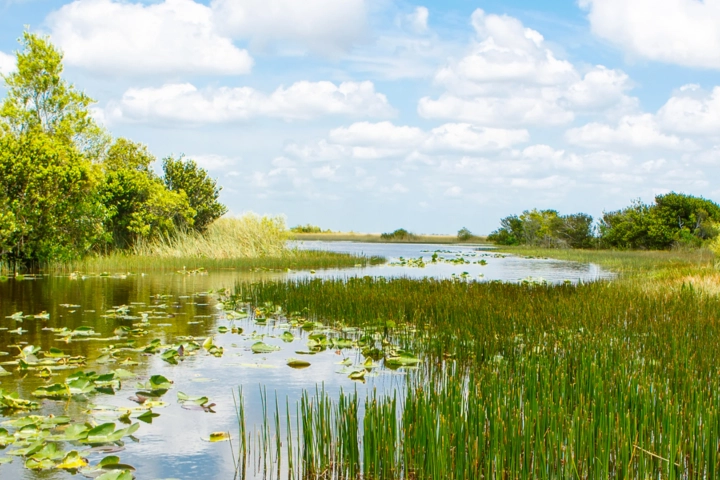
601, 380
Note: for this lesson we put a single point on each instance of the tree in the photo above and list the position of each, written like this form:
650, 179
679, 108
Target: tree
202, 191
464, 234
138, 203
49, 208
39, 100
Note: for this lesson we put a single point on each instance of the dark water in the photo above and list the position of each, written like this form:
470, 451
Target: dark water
178, 306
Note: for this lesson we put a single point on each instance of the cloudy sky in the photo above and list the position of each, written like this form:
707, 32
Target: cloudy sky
370, 115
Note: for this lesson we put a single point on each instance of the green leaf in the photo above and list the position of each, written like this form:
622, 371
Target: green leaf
261, 347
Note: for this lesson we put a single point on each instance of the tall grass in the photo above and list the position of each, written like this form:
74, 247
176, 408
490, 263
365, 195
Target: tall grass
247, 236
602, 380
246, 242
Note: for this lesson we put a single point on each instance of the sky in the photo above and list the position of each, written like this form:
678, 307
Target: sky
372, 115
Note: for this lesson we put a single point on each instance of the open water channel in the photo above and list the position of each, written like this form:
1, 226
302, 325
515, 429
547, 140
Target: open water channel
108, 323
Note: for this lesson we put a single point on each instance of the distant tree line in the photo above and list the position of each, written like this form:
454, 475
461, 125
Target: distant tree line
674, 219
68, 188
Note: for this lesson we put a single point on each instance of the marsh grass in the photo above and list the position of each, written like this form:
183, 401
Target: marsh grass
600, 380
247, 236
244, 243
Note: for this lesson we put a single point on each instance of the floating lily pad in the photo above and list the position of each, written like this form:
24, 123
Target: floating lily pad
262, 347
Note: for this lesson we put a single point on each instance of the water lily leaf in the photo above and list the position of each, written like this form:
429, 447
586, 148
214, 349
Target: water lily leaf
116, 475
222, 329
148, 416
123, 374
401, 358
56, 390
29, 450
287, 337
186, 399
357, 375
158, 382
13, 402
295, 363
262, 347
5, 438
100, 432
111, 460
218, 437
5, 460
72, 461
39, 463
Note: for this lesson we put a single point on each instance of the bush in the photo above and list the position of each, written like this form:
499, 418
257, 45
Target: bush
398, 235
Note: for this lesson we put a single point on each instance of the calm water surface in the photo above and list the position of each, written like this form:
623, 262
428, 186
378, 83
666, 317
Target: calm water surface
176, 306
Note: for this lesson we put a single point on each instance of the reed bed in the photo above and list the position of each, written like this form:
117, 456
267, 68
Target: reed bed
601, 380
247, 236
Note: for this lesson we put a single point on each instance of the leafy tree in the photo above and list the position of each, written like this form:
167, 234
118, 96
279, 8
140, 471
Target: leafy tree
48, 203
673, 219
39, 100
202, 191
49, 208
464, 234
138, 203
546, 228
509, 233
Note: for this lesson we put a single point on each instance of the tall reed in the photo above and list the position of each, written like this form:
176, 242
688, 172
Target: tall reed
602, 380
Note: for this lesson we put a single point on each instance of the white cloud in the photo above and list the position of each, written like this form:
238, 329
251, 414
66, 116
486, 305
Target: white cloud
692, 111
418, 20
119, 38
453, 191
637, 131
511, 76
683, 32
468, 138
496, 110
7, 63
184, 103
326, 26
381, 134
365, 140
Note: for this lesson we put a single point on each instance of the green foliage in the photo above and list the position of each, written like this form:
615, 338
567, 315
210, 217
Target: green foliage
308, 228
139, 206
398, 235
464, 234
202, 191
674, 219
66, 189
48, 205
39, 100
546, 228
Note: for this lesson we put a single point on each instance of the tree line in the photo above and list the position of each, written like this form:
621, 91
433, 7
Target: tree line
673, 219
67, 188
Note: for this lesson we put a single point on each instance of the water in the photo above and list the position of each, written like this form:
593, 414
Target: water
179, 306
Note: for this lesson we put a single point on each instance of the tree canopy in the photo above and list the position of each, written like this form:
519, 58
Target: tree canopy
67, 188
673, 219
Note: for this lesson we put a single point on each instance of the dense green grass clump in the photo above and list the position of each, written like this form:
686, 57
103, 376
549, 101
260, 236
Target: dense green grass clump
602, 380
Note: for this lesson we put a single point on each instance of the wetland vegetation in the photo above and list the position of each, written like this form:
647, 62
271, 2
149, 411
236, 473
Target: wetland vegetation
145, 351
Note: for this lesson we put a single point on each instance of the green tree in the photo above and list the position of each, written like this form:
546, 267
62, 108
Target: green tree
464, 234
49, 208
139, 205
40, 100
202, 192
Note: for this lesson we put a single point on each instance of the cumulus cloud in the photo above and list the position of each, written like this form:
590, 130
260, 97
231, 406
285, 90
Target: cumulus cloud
511, 76
418, 20
380, 134
637, 131
7, 63
120, 38
464, 137
365, 140
682, 32
692, 111
326, 26
184, 103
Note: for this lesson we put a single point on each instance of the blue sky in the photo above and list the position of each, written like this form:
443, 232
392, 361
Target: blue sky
370, 115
